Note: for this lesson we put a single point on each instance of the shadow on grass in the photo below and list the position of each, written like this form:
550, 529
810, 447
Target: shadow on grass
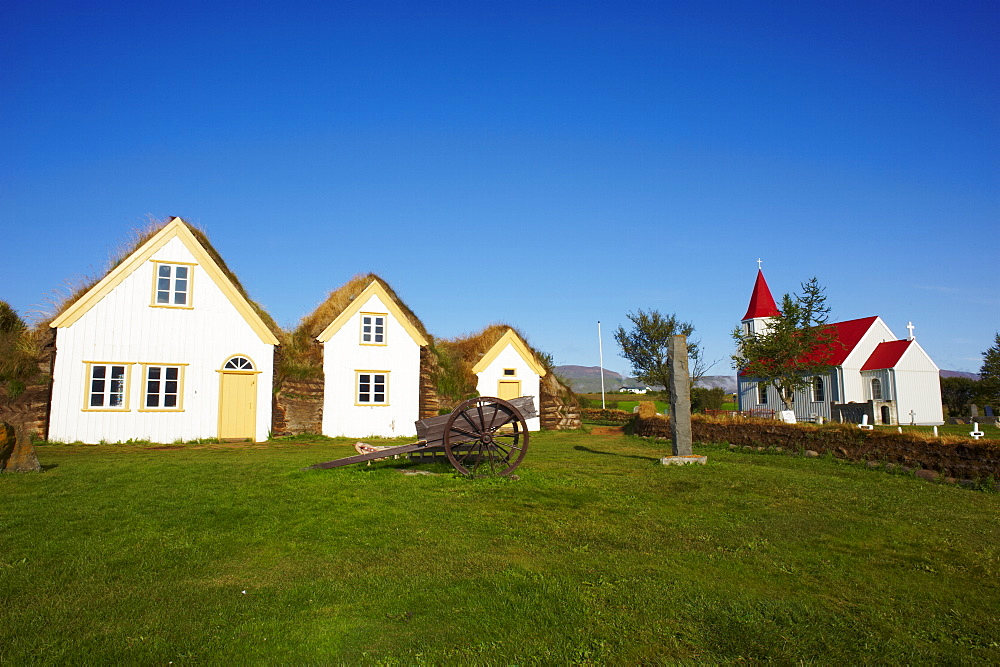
580, 448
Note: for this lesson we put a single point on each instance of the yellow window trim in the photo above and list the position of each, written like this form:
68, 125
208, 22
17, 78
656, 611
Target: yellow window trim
128, 386
361, 329
235, 372
180, 390
190, 291
371, 405
373, 289
512, 339
176, 228
512, 374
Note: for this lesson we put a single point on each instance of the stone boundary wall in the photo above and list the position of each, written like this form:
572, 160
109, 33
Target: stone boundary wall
970, 459
429, 402
557, 405
609, 415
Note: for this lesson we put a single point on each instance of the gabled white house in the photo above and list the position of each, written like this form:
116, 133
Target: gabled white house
371, 361
502, 364
893, 381
165, 347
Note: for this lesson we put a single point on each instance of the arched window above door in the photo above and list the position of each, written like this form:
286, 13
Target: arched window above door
238, 363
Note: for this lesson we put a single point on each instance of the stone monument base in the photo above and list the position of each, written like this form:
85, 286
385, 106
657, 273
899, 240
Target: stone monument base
684, 460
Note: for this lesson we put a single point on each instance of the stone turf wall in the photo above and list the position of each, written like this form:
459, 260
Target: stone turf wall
968, 459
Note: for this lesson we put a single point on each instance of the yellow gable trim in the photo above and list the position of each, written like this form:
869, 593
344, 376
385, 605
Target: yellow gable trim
512, 339
175, 228
373, 289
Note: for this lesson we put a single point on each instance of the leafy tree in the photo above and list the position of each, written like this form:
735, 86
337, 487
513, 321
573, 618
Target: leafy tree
796, 345
703, 398
957, 393
645, 345
989, 375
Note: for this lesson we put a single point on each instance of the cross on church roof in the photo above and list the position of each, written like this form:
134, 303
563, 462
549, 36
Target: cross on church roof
758, 264
909, 325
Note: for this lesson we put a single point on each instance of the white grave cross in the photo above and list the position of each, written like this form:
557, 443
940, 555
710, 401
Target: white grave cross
864, 424
913, 417
976, 433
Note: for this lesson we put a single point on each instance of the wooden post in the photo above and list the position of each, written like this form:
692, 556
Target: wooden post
680, 396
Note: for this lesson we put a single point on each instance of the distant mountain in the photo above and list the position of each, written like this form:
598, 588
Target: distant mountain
727, 382
587, 379
959, 374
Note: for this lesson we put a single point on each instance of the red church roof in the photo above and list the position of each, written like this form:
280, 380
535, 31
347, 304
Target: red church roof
847, 335
886, 355
761, 302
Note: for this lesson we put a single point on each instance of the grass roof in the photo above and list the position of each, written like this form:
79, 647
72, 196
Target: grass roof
136, 240
456, 381
301, 353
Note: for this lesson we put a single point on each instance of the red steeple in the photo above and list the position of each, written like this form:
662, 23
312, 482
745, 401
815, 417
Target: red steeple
761, 302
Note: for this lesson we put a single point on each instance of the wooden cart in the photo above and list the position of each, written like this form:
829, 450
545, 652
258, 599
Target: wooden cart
483, 436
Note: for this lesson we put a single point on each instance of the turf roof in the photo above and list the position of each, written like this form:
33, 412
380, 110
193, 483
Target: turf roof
139, 238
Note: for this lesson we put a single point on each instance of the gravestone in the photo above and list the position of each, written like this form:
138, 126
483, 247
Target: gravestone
680, 396
19, 455
788, 416
989, 411
973, 411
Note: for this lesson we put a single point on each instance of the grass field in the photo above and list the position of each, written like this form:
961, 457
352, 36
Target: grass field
232, 553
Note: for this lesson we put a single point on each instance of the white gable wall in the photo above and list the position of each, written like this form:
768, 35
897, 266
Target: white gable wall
344, 356
122, 328
854, 387
918, 387
529, 379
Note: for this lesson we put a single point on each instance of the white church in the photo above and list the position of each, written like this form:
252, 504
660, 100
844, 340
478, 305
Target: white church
893, 381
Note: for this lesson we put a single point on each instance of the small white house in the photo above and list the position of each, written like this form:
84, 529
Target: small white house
371, 361
893, 381
507, 368
165, 347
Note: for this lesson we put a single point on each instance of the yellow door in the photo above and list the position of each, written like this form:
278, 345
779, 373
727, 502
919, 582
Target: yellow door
508, 389
238, 406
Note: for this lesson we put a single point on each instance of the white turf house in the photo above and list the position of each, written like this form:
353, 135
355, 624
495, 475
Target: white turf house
165, 347
892, 381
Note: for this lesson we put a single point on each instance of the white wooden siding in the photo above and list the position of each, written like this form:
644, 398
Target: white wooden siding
854, 387
529, 379
918, 386
122, 327
344, 355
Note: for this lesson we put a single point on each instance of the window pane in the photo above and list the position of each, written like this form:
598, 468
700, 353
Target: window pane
96, 400
181, 272
153, 387
152, 401
170, 387
180, 298
98, 371
170, 401
172, 372
164, 270
162, 297
180, 286
364, 398
163, 284
115, 401
97, 387
378, 338
380, 398
153, 372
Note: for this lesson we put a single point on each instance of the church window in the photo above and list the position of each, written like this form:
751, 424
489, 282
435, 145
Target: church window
818, 393
762, 393
876, 389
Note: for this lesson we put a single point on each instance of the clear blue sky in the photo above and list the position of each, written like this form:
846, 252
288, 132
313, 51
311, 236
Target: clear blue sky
545, 164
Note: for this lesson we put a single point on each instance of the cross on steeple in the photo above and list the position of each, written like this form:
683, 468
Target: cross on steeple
758, 264
909, 325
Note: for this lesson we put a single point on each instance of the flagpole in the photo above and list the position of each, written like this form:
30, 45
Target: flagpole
600, 347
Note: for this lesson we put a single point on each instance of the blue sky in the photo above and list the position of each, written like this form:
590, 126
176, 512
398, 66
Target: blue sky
544, 164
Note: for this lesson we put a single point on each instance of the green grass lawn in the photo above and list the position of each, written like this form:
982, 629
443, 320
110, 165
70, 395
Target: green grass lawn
125, 554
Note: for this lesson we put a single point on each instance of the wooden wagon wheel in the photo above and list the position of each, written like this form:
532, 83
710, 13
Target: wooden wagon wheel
485, 436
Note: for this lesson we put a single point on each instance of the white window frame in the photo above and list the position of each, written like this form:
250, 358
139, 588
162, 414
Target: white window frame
880, 392
365, 384
761, 393
170, 285
106, 386
373, 328
162, 385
